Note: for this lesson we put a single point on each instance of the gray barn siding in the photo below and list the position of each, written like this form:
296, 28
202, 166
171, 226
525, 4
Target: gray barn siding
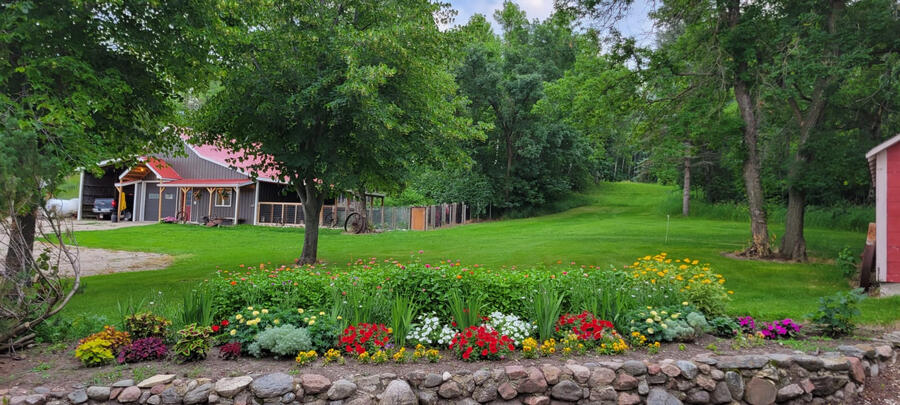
193, 166
151, 205
245, 210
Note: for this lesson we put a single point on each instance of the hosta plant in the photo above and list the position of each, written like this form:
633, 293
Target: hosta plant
481, 343
144, 349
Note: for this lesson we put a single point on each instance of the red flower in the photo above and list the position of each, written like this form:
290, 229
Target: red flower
225, 322
467, 353
215, 328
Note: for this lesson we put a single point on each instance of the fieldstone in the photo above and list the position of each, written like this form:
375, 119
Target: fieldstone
868, 350
601, 376
551, 374
507, 391
659, 396
341, 389
768, 372
811, 363
398, 392
706, 383
688, 369
145, 395
535, 383
481, 376
827, 385
581, 373
98, 393
782, 360
657, 379
288, 398
853, 351
807, 386
154, 400
515, 372
626, 398
569, 391
653, 369
486, 392
717, 374
683, 385
427, 397
743, 361
634, 367
856, 370
80, 396
537, 400
42, 390
603, 394
156, 380
191, 385
228, 387
721, 395
612, 365
670, 370
212, 398
760, 391
624, 382
697, 397
129, 394
874, 370
198, 395
643, 388
170, 396
735, 384
446, 375
157, 389
313, 383
277, 384
836, 363
884, 352
242, 398
114, 393
432, 380
450, 389
789, 392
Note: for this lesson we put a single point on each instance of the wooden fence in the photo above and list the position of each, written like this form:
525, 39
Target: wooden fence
382, 218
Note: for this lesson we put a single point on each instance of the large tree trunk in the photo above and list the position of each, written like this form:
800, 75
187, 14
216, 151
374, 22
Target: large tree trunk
686, 193
20, 256
793, 245
759, 227
312, 200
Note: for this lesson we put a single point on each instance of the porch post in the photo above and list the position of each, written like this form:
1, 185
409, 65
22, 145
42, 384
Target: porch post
209, 208
162, 190
80, 194
237, 202
118, 203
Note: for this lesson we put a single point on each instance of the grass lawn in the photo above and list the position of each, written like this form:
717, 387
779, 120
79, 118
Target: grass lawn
622, 223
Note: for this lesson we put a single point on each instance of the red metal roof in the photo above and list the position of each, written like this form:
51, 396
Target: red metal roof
162, 169
207, 182
234, 159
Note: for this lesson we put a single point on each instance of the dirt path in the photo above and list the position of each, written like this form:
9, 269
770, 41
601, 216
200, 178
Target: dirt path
104, 261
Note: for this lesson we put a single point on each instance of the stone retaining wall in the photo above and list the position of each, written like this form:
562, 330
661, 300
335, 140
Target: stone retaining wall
836, 377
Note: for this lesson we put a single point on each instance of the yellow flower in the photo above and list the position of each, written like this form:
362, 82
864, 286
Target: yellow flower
265, 311
299, 310
276, 322
233, 332
649, 320
685, 303
321, 313
238, 317
255, 313
312, 321
339, 317
249, 308
730, 292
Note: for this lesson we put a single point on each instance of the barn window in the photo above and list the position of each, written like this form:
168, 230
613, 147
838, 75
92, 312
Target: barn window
223, 198
153, 196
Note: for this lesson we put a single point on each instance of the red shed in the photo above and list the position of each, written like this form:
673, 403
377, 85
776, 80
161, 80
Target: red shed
884, 161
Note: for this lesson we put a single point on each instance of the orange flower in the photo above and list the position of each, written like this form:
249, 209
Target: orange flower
458, 276
234, 283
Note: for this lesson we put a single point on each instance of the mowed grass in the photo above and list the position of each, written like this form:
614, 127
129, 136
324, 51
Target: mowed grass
623, 222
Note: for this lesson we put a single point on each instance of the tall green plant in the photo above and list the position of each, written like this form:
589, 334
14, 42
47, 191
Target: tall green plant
546, 305
466, 312
403, 311
197, 309
836, 313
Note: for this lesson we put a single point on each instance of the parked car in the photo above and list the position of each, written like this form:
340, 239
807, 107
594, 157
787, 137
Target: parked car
104, 206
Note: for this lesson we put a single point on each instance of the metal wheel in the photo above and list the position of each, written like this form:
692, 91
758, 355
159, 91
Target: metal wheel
353, 223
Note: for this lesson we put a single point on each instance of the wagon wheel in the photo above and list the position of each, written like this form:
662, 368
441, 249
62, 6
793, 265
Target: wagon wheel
353, 223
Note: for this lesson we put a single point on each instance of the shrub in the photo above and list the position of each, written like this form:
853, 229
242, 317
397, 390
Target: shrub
284, 340
429, 331
668, 324
144, 349
784, 329
847, 262
365, 337
836, 313
696, 282
114, 339
146, 324
230, 351
94, 352
244, 325
510, 325
324, 333
481, 343
192, 343
724, 327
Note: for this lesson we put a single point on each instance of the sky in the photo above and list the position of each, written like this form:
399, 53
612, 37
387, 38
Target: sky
635, 24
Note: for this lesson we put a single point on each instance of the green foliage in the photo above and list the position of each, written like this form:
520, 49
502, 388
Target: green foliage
65, 328
681, 323
403, 312
284, 340
359, 303
146, 324
95, 352
724, 327
324, 333
836, 313
847, 261
546, 306
192, 343
198, 308
466, 310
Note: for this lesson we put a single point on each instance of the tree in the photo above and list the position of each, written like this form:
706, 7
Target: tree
83, 81
333, 96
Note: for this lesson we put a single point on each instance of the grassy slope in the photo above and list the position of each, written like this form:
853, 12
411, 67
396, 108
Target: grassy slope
621, 224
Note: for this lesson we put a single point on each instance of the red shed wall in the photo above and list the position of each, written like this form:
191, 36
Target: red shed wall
893, 213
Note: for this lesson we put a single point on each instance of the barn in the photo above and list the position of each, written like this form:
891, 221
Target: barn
884, 162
